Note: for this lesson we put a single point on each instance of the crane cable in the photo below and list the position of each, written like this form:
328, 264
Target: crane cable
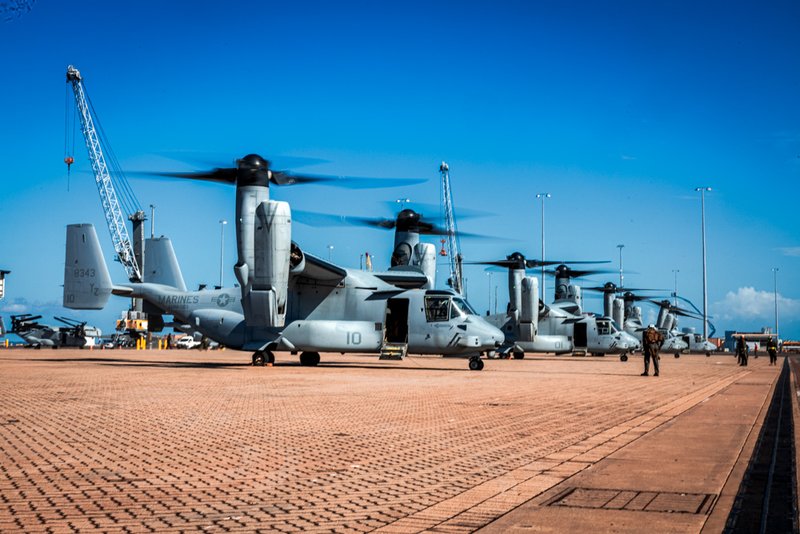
126, 195
68, 155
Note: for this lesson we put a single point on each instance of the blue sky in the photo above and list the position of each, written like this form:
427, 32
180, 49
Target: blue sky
618, 109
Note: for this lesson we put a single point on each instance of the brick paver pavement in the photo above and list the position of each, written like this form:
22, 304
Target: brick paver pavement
183, 440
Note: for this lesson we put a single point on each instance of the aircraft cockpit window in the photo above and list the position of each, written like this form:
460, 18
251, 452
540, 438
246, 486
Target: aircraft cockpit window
698, 338
437, 309
463, 306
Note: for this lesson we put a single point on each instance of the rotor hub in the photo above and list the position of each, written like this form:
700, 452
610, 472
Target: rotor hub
408, 220
517, 259
253, 170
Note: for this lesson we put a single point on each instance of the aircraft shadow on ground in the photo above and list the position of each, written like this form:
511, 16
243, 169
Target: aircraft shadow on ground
127, 362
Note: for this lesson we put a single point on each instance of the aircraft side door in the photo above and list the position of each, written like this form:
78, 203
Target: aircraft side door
580, 335
396, 321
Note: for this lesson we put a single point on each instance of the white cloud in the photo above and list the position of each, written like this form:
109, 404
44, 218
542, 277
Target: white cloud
749, 303
15, 308
790, 251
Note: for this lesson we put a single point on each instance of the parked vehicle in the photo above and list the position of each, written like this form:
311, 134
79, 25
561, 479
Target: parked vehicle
187, 342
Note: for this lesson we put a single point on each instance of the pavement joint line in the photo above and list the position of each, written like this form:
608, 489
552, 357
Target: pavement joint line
674, 408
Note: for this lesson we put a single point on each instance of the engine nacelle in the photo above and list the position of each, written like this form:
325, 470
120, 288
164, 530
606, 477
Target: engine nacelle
529, 312
608, 304
618, 311
663, 313
425, 259
515, 277
264, 294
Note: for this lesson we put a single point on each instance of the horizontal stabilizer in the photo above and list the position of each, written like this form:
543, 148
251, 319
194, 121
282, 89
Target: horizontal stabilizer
87, 284
122, 291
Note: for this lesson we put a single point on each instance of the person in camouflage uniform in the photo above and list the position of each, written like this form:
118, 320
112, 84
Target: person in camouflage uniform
652, 340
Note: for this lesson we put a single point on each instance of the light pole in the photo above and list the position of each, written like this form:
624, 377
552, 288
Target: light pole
403, 202
775, 278
330, 252
675, 293
152, 221
543, 196
703, 230
621, 277
222, 223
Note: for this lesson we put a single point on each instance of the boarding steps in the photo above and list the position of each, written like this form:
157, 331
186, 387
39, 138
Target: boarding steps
393, 351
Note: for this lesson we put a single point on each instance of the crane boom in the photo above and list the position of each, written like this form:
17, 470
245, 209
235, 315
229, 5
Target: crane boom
105, 186
453, 245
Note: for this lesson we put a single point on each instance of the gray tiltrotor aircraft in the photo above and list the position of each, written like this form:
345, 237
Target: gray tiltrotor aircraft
530, 325
289, 300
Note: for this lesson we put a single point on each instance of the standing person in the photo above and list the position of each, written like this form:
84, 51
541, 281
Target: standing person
772, 349
741, 351
652, 340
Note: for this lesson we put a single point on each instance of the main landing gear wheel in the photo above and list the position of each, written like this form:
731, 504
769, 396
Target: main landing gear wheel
677, 354
475, 364
519, 355
262, 357
623, 357
708, 354
309, 359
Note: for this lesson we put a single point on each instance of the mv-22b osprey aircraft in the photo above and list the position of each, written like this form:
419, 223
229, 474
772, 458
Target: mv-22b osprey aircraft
530, 325
289, 300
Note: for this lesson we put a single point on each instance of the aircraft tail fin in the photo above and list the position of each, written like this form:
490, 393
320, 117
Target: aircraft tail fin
87, 283
161, 264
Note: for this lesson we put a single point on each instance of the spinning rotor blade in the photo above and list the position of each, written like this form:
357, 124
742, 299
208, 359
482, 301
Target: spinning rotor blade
420, 225
578, 273
615, 289
423, 207
529, 264
518, 261
218, 175
349, 182
685, 314
255, 170
202, 159
676, 309
635, 298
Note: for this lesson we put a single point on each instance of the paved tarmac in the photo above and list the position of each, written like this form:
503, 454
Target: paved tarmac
139, 441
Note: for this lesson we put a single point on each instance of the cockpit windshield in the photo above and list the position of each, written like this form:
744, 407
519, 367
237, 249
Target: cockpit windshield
463, 306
